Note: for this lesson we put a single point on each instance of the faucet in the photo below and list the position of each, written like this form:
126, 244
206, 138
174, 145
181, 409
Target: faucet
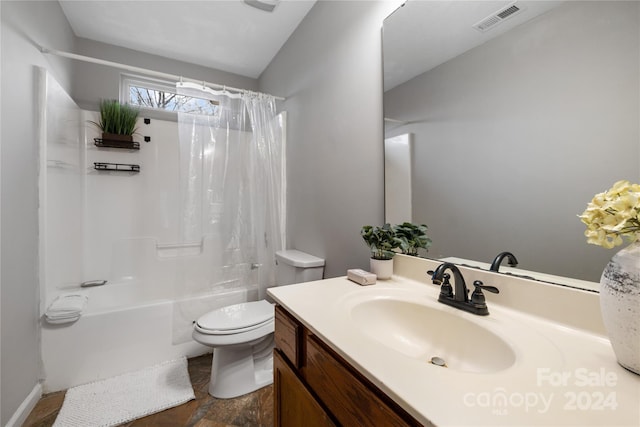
460, 298
511, 258
441, 278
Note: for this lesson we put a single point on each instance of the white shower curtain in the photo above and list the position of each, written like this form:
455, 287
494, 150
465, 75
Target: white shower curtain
232, 195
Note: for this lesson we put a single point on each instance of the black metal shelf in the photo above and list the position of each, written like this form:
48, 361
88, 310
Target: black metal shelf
117, 167
108, 143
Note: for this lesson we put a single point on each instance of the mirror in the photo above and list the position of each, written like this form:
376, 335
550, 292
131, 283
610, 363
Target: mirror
512, 126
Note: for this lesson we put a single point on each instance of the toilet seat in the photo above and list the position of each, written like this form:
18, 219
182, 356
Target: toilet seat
237, 318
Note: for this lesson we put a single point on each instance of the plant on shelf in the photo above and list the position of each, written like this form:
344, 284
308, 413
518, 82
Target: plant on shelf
117, 121
381, 241
412, 237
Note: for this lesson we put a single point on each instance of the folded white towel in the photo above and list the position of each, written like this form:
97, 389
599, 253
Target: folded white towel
62, 316
67, 305
60, 321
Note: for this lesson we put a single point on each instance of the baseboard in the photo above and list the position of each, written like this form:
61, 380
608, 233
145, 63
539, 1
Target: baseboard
25, 408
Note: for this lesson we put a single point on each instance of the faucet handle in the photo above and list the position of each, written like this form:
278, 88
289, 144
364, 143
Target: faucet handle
480, 286
477, 297
446, 289
445, 276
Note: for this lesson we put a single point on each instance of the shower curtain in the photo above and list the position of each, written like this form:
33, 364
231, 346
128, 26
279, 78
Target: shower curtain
232, 172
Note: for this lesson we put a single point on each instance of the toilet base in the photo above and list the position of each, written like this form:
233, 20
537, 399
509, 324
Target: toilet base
240, 369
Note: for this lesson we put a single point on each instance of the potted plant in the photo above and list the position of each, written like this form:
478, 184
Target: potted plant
117, 121
611, 218
381, 241
412, 237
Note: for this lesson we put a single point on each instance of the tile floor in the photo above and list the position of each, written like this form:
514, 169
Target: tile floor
251, 410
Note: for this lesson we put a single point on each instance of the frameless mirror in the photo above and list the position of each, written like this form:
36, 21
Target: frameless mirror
514, 115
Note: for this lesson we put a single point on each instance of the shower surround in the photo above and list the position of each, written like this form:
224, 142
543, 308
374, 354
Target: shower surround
126, 228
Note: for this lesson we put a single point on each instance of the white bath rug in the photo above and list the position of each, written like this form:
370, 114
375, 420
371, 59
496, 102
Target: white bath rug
126, 397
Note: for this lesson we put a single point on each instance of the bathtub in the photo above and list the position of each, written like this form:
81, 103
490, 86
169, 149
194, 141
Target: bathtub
125, 327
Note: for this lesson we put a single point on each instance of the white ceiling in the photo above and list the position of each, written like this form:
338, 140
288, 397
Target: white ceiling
227, 35
424, 34
232, 36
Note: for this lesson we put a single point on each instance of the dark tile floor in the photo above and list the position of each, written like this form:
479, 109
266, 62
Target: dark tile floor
254, 409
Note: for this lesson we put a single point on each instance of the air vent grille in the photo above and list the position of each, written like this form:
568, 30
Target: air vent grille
508, 12
497, 17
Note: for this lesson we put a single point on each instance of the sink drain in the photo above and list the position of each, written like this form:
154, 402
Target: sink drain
438, 361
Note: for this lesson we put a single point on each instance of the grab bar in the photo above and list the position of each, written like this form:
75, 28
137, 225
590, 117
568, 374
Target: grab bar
178, 245
173, 250
91, 283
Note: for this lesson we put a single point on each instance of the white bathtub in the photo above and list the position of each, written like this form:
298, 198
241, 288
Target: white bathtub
125, 326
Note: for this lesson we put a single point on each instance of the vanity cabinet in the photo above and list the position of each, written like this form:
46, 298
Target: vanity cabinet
314, 386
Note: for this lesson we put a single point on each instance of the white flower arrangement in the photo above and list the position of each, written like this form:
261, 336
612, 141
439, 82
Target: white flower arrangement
613, 216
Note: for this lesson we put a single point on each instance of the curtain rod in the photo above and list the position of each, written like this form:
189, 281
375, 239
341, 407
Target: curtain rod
140, 70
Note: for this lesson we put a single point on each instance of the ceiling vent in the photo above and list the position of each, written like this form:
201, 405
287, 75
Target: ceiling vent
498, 17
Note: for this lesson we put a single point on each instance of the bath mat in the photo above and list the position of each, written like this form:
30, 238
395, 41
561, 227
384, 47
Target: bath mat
126, 397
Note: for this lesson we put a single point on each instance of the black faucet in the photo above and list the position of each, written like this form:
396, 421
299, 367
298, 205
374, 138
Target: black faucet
511, 258
441, 278
460, 298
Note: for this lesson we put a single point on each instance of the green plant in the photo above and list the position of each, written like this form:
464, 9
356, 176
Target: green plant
117, 118
381, 240
412, 237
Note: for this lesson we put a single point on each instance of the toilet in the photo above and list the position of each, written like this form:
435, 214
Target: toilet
242, 334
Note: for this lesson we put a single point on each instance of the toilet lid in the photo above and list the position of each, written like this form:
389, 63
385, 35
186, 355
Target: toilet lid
244, 316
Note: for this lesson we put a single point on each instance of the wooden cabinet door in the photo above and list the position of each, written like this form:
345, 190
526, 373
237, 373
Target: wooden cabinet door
295, 406
287, 338
350, 400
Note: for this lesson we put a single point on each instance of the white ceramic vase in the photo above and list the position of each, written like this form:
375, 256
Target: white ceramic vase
620, 305
382, 268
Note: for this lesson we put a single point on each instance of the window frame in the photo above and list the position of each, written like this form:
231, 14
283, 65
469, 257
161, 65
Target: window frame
128, 80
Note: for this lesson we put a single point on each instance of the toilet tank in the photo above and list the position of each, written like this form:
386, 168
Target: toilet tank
296, 267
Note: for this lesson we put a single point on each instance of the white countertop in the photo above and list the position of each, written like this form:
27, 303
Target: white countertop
561, 376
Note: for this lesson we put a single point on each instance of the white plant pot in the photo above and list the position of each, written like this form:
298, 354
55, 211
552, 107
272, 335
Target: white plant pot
620, 305
382, 268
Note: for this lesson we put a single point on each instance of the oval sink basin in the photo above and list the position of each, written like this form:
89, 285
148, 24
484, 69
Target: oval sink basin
434, 336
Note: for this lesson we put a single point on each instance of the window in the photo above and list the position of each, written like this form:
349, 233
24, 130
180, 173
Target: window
158, 95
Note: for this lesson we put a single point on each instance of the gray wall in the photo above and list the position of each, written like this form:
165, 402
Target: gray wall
23, 23
24, 26
94, 82
513, 138
330, 72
